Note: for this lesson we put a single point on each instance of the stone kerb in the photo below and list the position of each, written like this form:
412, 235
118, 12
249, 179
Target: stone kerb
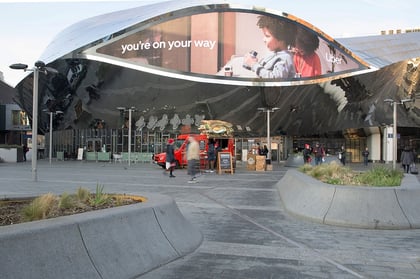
350, 206
121, 242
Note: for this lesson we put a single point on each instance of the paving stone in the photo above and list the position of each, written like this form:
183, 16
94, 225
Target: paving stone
247, 233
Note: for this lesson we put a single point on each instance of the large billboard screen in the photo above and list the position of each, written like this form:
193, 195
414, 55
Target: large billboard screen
234, 46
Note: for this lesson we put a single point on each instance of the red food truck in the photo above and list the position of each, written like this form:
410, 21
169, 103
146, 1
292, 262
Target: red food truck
224, 144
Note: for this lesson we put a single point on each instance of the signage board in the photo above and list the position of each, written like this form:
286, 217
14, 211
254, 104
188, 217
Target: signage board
224, 162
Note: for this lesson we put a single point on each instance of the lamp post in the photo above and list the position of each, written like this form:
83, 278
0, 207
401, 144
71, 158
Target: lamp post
39, 67
130, 110
394, 104
268, 111
52, 113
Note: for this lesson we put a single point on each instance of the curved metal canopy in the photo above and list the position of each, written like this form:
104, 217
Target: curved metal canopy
90, 89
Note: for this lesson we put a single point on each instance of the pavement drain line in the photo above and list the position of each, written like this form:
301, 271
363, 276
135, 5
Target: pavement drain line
299, 245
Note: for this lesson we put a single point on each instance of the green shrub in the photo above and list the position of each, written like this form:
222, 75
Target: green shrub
381, 176
82, 194
50, 206
67, 201
40, 207
100, 197
334, 173
334, 181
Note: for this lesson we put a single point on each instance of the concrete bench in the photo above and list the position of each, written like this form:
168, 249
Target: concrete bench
351, 206
121, 242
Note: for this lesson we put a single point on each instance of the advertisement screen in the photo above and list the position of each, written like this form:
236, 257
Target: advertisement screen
234, 45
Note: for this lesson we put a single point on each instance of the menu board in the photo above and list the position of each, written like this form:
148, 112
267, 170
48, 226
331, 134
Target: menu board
224, 162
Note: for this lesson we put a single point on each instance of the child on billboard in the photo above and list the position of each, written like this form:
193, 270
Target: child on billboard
278, 36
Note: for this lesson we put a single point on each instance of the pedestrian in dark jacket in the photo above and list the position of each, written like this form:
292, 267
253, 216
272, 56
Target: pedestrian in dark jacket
211, 154
407, 159
170, 157
264, 151
365, 155
25, 149
319, 153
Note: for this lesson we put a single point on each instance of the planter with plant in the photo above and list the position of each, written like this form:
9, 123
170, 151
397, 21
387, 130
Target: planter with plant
92, 235
14, 211
379, 198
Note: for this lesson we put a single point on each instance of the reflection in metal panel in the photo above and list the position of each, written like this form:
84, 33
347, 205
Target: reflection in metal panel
90, 86
353, 102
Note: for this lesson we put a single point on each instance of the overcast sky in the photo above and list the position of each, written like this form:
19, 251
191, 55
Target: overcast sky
29, 26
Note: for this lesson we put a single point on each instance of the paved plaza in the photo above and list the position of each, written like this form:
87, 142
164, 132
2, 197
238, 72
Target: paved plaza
247, 233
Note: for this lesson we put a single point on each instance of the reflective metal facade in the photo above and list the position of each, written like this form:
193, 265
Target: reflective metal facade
89, 90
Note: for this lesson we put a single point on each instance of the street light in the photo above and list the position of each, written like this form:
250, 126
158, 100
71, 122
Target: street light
39, 67
268, 110
123, 109
51, 128
393, 103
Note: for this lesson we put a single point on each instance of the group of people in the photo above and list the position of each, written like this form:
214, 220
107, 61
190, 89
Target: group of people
292, 51
318, 151
342, 155
262, 151
193, 157
408, 156
319, 154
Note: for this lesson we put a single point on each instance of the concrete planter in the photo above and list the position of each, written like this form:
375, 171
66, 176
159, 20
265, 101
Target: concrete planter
11, 155
120, 242
104, 156
352, 206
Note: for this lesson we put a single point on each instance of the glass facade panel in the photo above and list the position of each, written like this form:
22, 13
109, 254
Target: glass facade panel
19, 118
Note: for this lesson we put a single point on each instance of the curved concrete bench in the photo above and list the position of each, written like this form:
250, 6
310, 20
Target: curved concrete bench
120, 242
352, 206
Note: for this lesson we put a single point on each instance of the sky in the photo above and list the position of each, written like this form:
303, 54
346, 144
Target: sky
32, 25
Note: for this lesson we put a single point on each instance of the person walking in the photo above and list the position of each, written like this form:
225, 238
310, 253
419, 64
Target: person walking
193, 155
170, 158
342, 155
365, 155
407, 159
25, 149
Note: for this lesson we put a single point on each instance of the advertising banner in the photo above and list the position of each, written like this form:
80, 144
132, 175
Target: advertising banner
234, 46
